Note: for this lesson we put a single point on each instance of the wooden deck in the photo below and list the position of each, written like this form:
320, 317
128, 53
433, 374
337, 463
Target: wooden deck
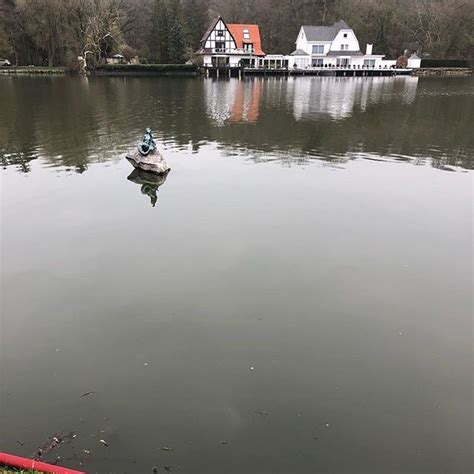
338, 72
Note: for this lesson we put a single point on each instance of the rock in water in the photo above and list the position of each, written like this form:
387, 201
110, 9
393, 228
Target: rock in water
153, 162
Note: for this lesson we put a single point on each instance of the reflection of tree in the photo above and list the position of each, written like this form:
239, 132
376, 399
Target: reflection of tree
72, 122
342, 118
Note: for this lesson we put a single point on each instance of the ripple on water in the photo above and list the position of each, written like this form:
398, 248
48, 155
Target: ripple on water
297, 120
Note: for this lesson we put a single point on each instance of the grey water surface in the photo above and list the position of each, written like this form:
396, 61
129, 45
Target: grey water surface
295, 297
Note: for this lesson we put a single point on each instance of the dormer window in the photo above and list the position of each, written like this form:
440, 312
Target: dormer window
345, 35
246, 34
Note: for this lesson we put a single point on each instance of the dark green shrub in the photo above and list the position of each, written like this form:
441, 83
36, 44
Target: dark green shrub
148, 67
433, 63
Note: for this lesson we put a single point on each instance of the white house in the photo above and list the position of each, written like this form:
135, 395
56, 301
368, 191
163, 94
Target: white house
414, 61
230, 45
336, 45
116, 59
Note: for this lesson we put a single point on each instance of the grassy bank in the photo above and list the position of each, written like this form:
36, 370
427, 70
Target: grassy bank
146, 69
32, 70
8, 470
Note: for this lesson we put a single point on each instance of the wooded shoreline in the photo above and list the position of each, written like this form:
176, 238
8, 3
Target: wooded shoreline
57, 32
172, 70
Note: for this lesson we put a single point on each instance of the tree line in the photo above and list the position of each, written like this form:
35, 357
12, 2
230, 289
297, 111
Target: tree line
56, 32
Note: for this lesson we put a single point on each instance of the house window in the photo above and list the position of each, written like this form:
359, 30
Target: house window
345, 35
248, 47
318, 49
369, 62
318, 62
219, 32
344, 47
246, 34
220, 46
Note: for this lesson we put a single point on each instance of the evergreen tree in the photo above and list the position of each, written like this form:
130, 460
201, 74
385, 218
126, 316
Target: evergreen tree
176, 42
196, 15
6, 49
160, 33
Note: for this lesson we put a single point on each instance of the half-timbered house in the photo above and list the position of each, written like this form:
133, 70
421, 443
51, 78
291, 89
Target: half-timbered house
231, 45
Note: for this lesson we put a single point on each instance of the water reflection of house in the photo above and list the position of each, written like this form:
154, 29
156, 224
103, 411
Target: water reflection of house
233, 101
336, 98
246, 105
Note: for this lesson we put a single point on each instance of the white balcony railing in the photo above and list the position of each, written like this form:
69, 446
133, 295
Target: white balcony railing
232, 51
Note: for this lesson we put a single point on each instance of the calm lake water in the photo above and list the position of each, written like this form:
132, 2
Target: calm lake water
297, 301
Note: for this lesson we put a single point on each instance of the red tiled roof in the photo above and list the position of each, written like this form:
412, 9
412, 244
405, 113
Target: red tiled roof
237, 31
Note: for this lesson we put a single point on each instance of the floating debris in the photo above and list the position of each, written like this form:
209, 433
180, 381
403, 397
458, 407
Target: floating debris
327, 425
252, 367
167, 448
86, 451
261, 412
104, 442
223, 441
154, 469
20, 443
52, 444
168, 468
145, 364
87, 394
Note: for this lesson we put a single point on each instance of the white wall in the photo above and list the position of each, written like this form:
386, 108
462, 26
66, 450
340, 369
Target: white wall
345, 37
307, 46
414, 63
354, 61
227, 38
302, 62
301, 42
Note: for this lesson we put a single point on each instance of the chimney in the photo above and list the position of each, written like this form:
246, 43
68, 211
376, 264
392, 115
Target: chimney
368, 48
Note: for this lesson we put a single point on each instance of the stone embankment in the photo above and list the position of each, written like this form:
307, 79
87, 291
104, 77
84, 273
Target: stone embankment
443, 71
